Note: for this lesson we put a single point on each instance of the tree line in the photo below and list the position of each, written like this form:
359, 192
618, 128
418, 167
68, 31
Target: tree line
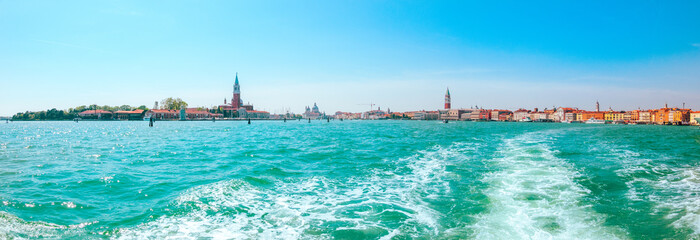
70, 114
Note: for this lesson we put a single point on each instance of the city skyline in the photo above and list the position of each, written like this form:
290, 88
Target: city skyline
344, 55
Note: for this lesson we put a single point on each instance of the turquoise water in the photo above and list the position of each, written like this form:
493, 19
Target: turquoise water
348, 180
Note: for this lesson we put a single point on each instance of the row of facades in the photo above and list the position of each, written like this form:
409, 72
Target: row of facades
665, 116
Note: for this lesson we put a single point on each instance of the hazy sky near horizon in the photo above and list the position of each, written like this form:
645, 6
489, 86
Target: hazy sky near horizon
344, 55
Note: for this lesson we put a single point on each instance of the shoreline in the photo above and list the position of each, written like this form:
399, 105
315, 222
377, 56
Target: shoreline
299, 120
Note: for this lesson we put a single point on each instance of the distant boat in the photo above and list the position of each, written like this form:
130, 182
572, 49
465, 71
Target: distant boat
595, 121
525, 119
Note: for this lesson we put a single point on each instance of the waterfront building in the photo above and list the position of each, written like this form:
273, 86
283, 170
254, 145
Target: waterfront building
501, 115
681, 116
676, 116
96, 114
448, 100
480, 115
197, 114
410, 114
452, 114
347, 115
252, 114
442, 114
539, 116
571, 116
397, 115
521, 114
694, 116
633, 116
586, 115
645, 116
163, 114
559, 114
129, 115
661, 116
536, 115
550, 114
375, 114
612, 116
627, 116
464, 114
426, 115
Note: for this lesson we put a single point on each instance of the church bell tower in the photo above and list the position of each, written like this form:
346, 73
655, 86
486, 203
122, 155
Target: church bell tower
236, 102
448, 99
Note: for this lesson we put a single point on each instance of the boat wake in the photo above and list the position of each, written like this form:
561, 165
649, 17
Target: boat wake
12, 227
534, 195
384, 204
673, 191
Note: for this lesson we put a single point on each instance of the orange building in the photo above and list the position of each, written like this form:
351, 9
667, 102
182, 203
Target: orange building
676, 116
633, 116
585, 115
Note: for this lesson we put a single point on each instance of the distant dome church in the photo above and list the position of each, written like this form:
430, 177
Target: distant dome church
313, 112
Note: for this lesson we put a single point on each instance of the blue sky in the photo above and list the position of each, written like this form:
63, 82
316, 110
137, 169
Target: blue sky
343, 54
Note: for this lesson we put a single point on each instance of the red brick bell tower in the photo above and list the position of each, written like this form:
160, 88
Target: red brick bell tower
448, 100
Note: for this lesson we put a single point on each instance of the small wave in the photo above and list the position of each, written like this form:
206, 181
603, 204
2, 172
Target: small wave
534, 196
68, 204
384, 204
674, 192
107, 179
678, 195
12, 227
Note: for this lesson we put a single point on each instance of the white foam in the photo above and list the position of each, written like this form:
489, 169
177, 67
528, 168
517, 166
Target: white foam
11, 227
68, 204
309, 207
533, 195
678, 196
673, 191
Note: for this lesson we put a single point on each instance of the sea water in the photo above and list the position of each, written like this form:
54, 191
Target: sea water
348, 180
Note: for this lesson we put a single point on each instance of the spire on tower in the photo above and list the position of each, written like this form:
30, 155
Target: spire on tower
236, 101
448, 99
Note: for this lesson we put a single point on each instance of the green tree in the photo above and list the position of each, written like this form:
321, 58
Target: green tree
173, 103
79, 109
